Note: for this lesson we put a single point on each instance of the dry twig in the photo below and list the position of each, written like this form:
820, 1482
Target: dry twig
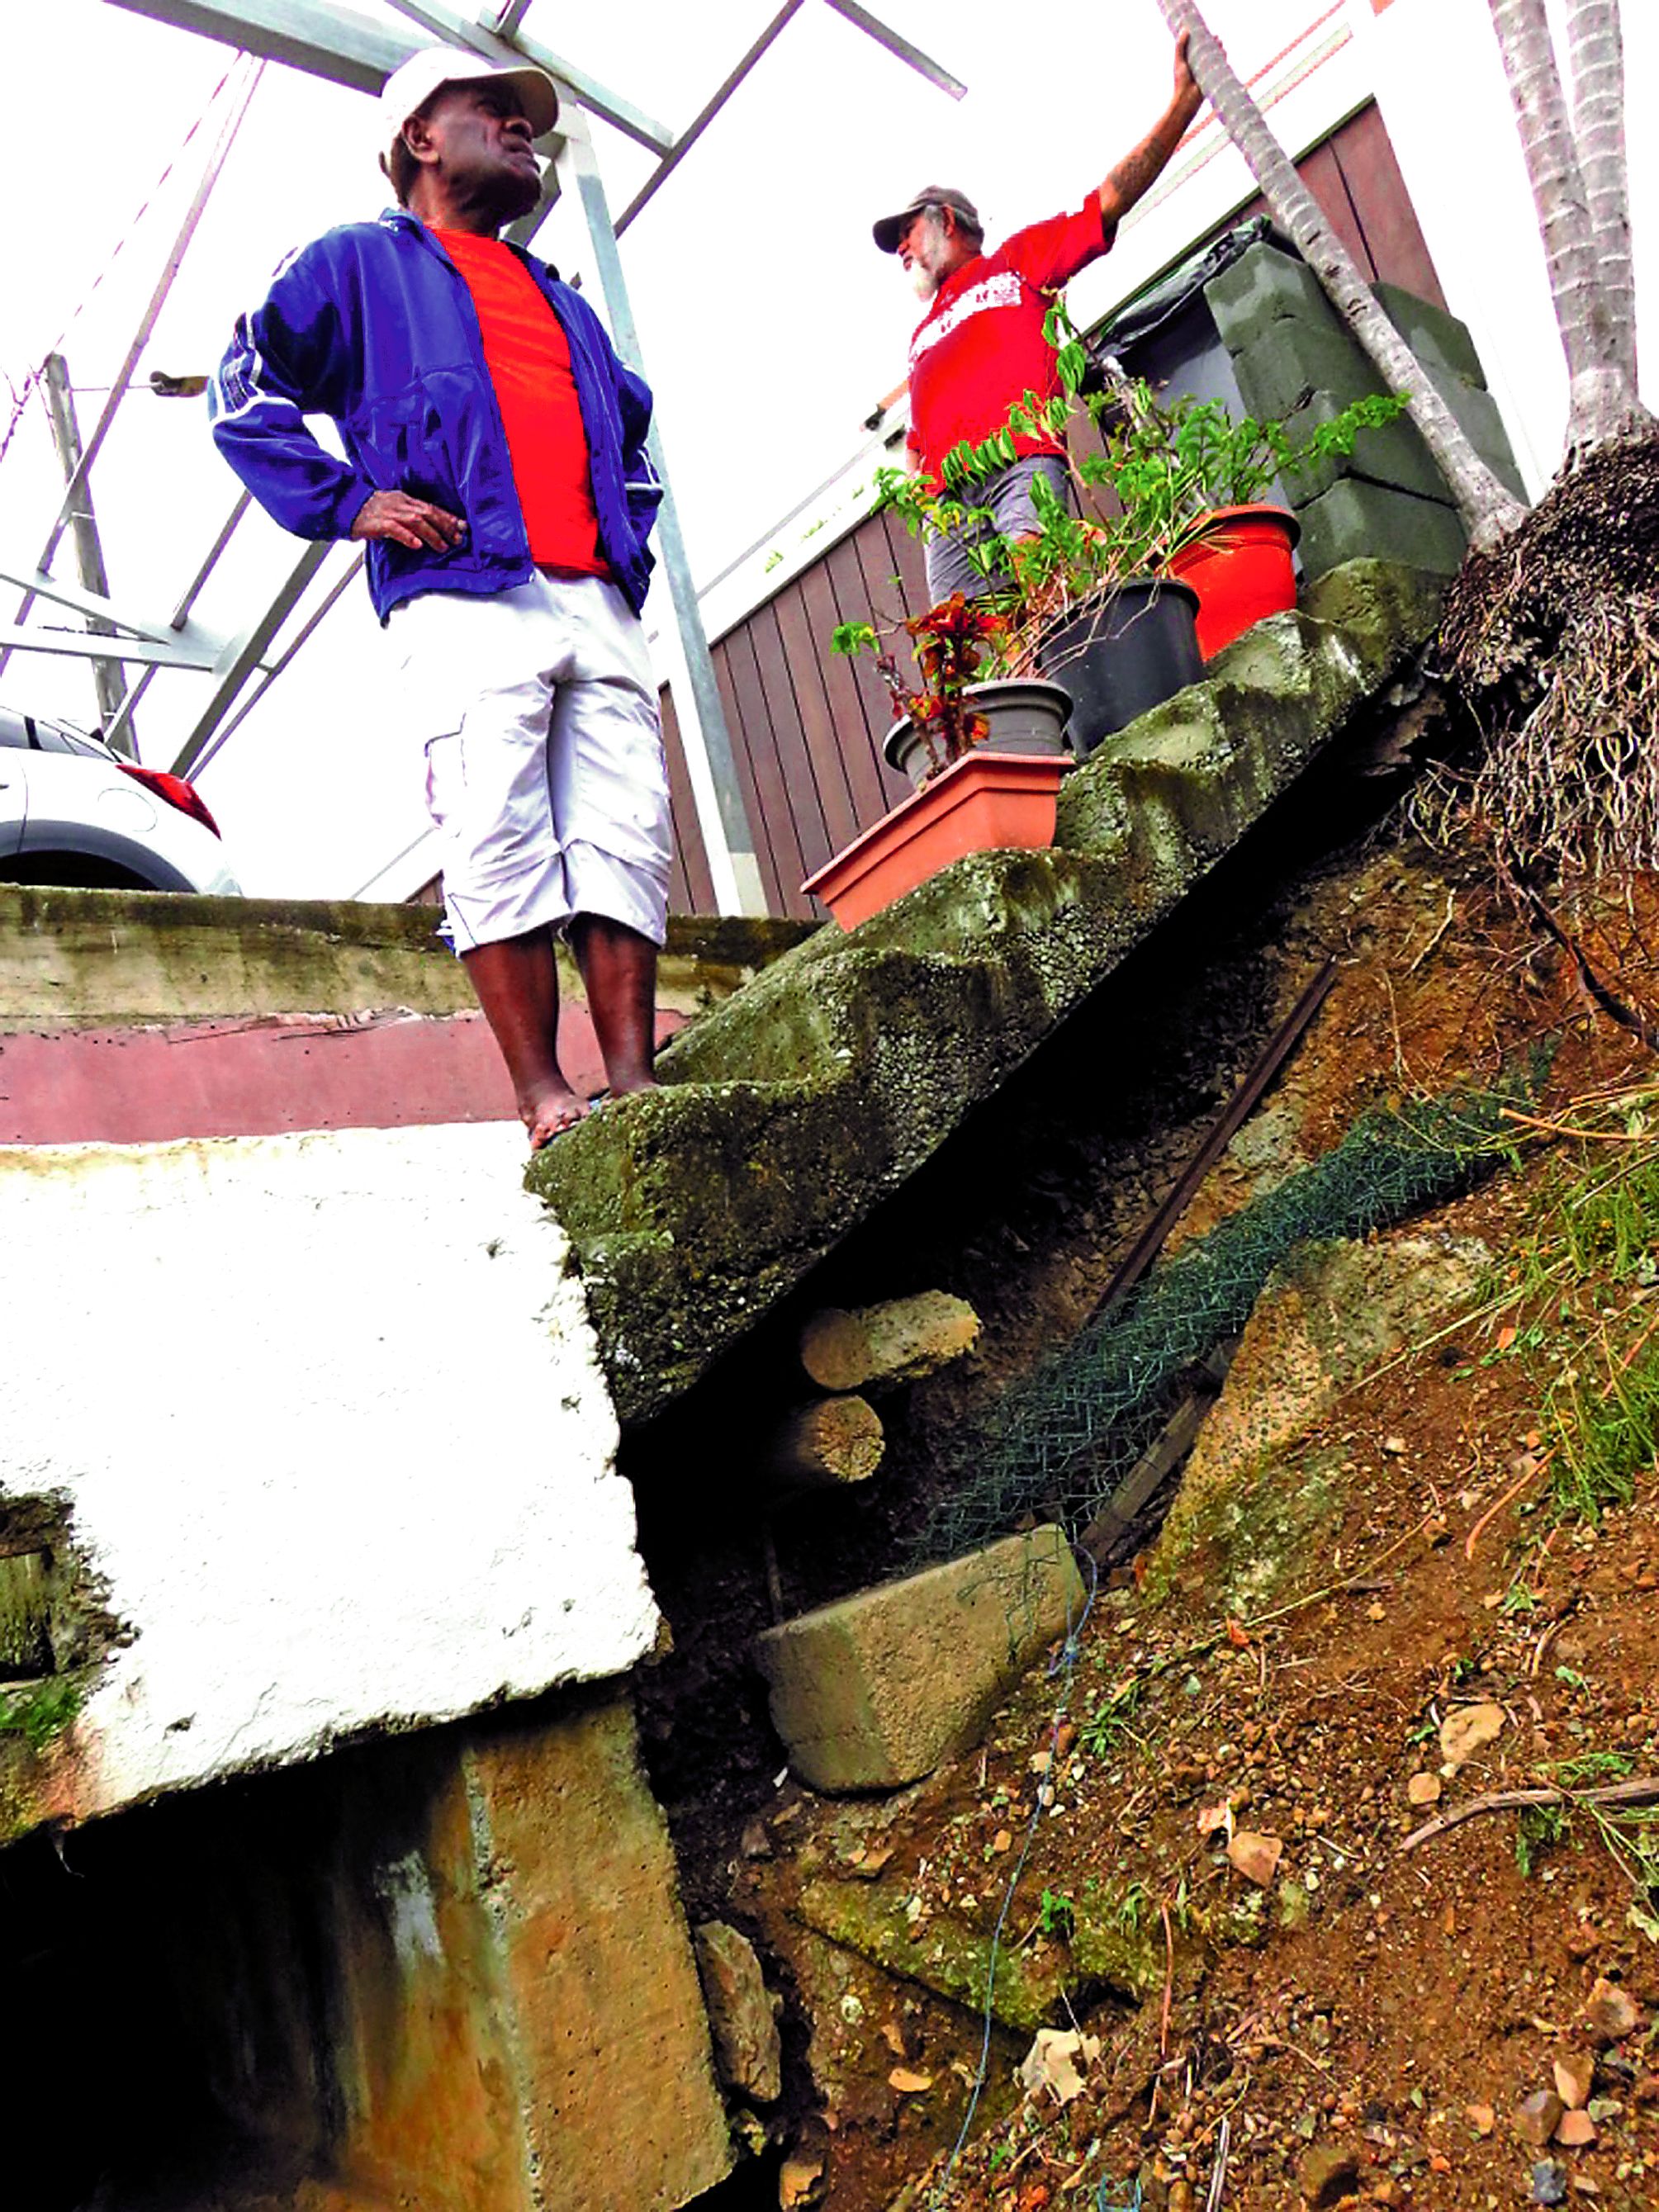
1642, 1791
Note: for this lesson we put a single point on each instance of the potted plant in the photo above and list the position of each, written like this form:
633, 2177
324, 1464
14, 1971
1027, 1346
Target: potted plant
986, 755
1203, 471
967, 696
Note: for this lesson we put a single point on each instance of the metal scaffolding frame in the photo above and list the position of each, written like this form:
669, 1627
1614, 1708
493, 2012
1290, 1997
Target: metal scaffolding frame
350, 49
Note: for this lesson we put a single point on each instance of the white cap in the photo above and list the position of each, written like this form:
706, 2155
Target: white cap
409, 88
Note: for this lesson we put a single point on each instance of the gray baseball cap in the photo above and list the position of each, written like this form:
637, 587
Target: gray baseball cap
892, 228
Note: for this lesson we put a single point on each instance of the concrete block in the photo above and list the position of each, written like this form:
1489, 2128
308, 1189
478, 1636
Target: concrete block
575, 1868
1434, 334
1262, 288
873, 1692
1354, 519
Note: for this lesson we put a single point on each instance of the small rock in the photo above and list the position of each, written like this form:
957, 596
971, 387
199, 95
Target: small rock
1002, 1841
1328, 2173
1575, 2074
869, 1867
1537, 2117
1612, 2012
756, 1842
1576, 2131
1255, 1856
1463, 1732
1394, 1446
1424, 1788
908, 2084
1480, 2117
1549, 2182
1040, 1761
800, 2181
748, 2054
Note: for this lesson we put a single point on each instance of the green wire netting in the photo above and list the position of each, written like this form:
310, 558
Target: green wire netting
1059, 1444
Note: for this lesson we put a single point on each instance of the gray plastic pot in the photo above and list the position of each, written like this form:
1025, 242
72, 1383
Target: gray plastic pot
1027, 715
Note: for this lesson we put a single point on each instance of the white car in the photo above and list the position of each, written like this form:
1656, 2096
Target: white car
73, 811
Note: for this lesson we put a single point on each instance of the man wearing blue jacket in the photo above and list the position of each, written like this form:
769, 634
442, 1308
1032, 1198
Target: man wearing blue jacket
497, 466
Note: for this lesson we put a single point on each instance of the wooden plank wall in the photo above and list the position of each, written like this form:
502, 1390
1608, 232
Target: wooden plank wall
807, 725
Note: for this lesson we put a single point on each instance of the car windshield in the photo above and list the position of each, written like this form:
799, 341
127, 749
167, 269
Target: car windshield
37, 734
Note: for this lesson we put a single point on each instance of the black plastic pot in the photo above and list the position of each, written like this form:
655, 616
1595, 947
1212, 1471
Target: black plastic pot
1025, 714
1119, 658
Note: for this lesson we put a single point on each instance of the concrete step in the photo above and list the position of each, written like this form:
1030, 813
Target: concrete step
789, 1112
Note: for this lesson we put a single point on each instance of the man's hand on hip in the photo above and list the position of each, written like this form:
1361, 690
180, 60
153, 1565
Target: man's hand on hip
407, 521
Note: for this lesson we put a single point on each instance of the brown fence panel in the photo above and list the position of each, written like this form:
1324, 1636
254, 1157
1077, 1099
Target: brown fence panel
690, 886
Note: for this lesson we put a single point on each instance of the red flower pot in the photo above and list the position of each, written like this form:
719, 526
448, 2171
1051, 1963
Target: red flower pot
985, 802
1241, 568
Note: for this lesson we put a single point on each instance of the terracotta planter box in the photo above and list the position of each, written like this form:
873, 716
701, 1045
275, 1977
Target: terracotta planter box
985, 802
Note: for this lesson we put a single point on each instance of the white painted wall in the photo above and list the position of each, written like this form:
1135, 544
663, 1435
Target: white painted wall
1439, 83
363, 1477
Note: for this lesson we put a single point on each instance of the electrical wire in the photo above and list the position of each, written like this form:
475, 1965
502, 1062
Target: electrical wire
33, 382
1066, 1659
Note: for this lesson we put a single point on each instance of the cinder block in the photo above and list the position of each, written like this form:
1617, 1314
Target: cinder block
874, 1690
1356, 520
1433, 334
1263, 287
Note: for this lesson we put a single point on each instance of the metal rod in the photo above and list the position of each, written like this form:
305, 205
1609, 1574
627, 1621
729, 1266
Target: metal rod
454, 29
1150, 1240
728, 839
694, 130
74, 644
900, 47
234, 723
109, 678
242, 656
181, 612
327, 41
215, 161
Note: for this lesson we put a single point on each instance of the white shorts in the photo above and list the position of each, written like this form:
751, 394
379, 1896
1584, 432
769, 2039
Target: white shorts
544, 771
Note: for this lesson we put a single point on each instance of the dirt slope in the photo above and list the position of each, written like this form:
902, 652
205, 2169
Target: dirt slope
1356, 2014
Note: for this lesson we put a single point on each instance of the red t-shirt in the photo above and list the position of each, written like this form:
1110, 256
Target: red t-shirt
980, 347
528, 358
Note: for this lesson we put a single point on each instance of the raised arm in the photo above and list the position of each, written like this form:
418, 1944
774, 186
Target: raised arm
1141, 166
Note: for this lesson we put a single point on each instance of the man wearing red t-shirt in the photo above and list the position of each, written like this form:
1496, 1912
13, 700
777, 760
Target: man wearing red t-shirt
980, 347
497, 466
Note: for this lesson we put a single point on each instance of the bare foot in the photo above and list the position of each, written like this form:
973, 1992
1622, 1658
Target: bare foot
549, 1113
629, 1085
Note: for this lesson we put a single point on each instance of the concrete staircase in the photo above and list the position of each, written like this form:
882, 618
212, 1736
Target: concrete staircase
790, 1111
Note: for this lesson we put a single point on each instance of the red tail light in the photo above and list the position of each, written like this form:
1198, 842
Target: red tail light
176, 792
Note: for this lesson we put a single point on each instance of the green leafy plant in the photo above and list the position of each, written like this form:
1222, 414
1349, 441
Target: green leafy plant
1168, 464
1056, 1914
953, 643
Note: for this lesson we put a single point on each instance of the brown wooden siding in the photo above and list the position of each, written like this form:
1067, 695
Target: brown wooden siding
807, 725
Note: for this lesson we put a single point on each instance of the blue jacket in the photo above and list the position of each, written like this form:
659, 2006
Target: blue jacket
373, 324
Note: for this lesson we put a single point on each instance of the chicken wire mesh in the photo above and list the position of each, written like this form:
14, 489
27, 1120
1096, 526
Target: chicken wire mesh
1058, 1444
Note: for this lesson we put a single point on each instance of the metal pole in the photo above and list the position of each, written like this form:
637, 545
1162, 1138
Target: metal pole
109, 678
181, 612
216, 162
728, 837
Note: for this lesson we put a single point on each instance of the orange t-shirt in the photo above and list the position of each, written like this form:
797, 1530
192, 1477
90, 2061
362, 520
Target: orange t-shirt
528, 358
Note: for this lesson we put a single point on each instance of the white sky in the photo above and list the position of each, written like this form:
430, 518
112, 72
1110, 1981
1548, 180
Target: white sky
770, 324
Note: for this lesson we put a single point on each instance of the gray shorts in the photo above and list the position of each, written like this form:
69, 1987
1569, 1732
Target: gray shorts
1008, 495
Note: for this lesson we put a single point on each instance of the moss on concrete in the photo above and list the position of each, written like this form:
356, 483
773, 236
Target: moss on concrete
82, 956
794, 1107
945, 1955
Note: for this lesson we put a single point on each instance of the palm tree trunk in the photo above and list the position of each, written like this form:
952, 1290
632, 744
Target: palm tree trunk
1595, 53
1602, 401
1488, 509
